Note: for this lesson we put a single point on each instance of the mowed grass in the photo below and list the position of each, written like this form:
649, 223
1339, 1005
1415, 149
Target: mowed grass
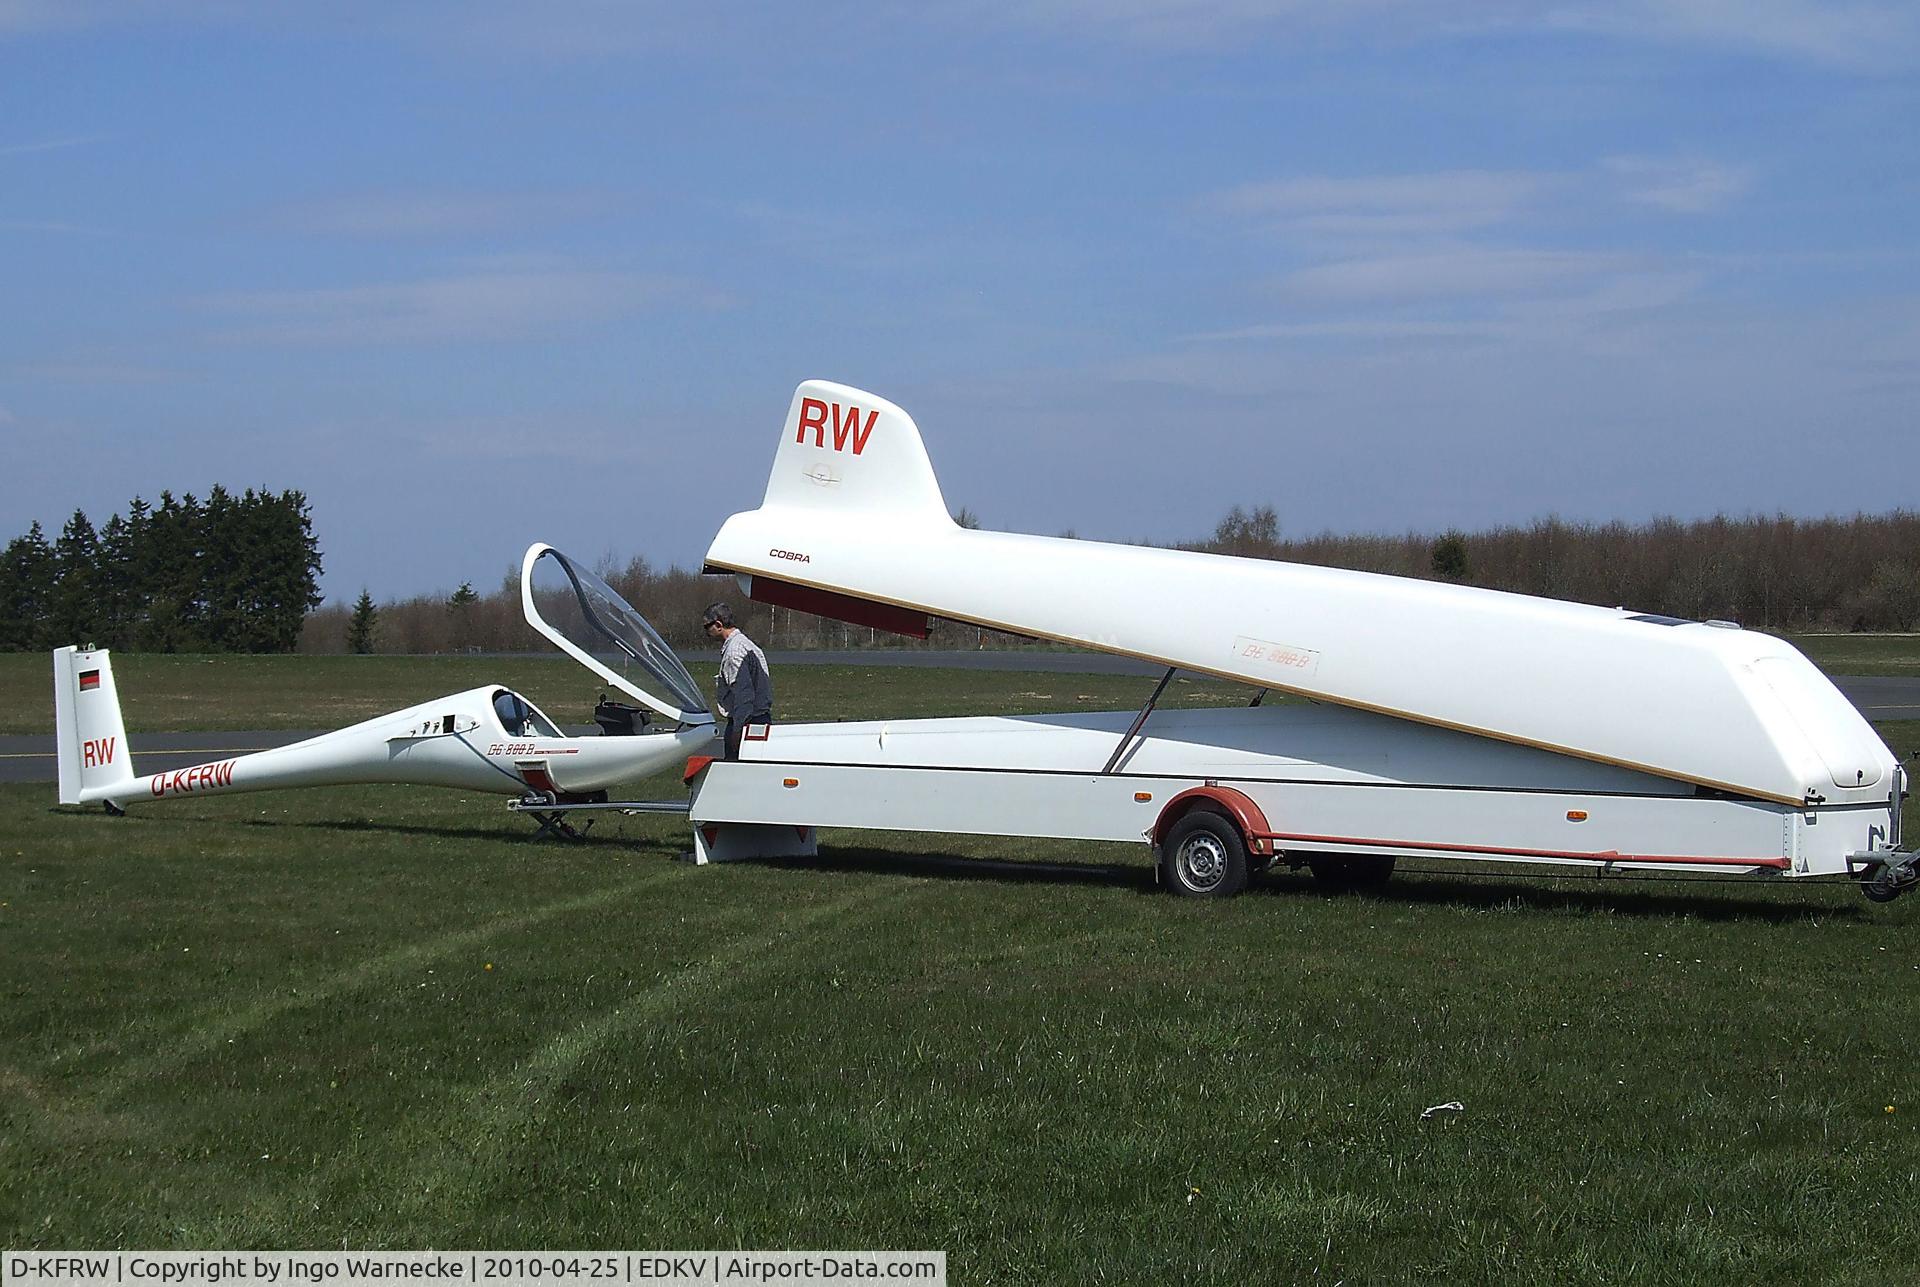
1862, 654
270, 1020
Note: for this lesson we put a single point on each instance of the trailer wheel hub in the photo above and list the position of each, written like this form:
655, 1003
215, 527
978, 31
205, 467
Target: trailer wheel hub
1202, 860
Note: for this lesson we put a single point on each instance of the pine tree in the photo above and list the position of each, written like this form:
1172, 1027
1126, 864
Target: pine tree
117, 602
266, 572
171, 571
460, 608
1449, 557
74, 611
135, 565
364, 622
26, 591
286, 583
223, 551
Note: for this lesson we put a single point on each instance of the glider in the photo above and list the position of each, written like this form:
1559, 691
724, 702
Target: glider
488, 739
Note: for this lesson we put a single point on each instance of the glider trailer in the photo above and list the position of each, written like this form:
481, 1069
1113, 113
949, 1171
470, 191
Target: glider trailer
1425, 720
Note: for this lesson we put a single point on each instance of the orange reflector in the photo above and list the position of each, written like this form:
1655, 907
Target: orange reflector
790, 782
1143, 796
1576, 815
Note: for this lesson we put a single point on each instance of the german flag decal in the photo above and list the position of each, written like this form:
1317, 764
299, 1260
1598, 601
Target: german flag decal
89, 679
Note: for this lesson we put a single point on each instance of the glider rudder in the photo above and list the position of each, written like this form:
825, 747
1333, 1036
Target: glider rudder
90, 736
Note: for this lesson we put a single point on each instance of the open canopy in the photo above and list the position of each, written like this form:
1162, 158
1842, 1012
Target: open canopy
591, 623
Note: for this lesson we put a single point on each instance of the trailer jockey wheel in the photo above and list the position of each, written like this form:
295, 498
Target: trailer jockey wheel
1204, 856
1889, 881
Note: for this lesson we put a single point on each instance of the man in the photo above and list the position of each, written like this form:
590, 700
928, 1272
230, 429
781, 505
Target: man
745, 687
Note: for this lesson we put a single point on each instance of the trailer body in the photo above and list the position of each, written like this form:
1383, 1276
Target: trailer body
1295, 780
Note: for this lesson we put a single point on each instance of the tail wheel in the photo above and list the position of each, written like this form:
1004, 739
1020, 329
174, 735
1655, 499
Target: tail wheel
1204, 856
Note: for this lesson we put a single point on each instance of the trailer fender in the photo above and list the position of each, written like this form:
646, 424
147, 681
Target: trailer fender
1235, 804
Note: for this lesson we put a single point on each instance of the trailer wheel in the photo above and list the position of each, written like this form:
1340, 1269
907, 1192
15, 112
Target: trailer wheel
1351, 872
1204, 856
1883, 886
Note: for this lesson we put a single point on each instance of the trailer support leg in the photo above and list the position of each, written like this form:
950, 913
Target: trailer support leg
736, 841
556, 825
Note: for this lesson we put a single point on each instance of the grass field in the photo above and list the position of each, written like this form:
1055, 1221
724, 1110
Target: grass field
1862, 654
382, 1017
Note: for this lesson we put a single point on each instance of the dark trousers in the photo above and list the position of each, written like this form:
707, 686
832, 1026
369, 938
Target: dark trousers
735, 727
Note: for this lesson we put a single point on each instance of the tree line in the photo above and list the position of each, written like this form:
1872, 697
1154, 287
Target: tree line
1779, 573
227, 574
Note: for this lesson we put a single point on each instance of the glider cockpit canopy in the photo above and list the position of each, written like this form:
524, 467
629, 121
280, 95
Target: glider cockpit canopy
589, 621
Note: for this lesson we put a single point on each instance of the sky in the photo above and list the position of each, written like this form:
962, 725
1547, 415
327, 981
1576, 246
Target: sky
476, 274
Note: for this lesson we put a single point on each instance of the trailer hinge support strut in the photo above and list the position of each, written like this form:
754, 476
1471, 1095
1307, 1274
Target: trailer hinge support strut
1126, 739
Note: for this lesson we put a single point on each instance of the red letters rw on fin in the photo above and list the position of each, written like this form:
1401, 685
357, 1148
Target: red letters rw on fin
814, 415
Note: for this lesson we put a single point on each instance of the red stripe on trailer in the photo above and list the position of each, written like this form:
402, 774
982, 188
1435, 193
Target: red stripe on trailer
696, 765
841, 607
1607, 856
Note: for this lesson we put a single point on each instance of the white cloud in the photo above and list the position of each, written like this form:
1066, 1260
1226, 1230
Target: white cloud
94, 371
1444, 243
51, 145
1446, 201
477, 306
50, 225
1870, 36
1363, 329
1852, 35
1463, 272
436, 214
1683, 187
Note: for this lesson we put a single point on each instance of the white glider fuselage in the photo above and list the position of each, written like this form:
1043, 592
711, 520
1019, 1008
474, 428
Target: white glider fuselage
461, 741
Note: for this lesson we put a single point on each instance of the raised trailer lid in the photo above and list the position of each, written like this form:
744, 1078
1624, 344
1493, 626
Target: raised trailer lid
852, 508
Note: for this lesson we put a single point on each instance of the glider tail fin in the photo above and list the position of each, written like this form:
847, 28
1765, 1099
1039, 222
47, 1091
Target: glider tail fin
90, 736
849, 451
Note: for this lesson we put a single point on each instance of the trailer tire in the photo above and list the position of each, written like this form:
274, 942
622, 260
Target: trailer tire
1884, 885
1204, 856
1343, 871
